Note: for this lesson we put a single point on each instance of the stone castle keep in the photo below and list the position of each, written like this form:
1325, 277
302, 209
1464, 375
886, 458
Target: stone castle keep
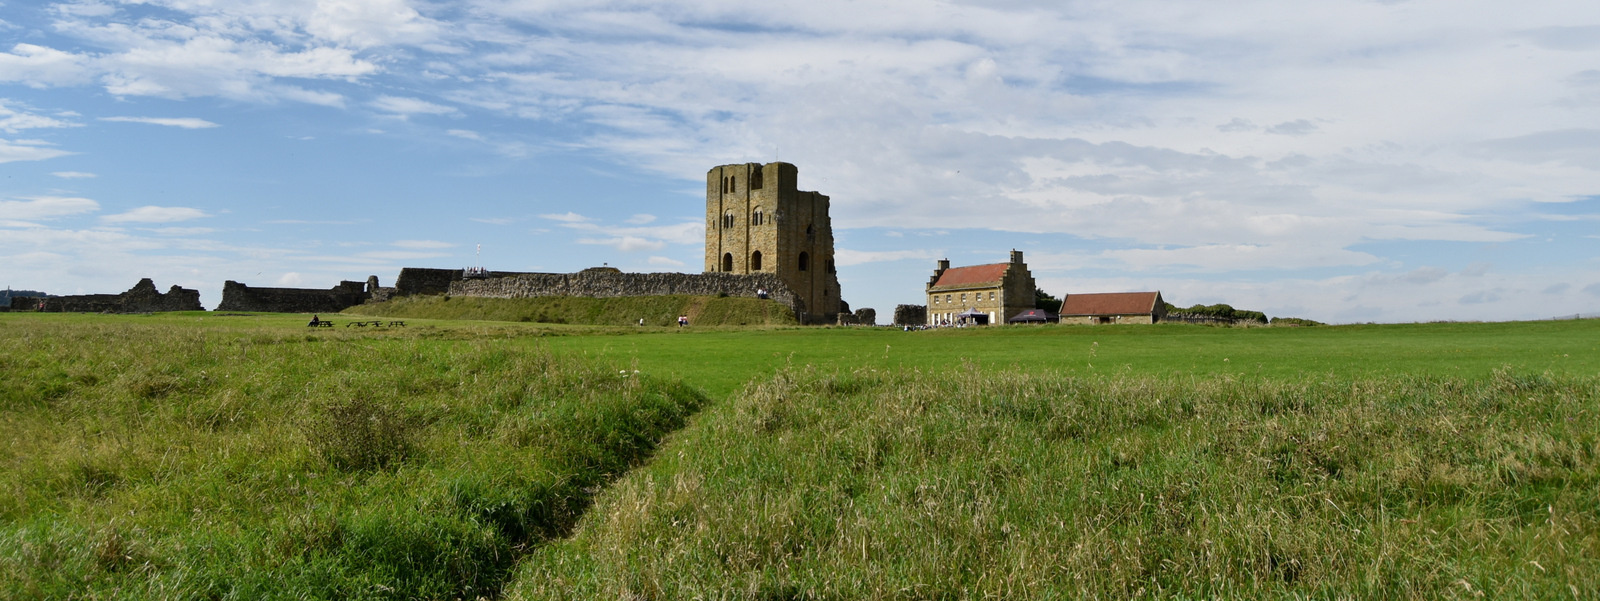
758, 221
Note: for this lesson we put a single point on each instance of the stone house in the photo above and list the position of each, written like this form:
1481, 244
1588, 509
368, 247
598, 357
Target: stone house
982, 294
759, 221
1113, 307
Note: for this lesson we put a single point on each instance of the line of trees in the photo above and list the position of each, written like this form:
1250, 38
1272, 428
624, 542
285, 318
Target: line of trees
8, 294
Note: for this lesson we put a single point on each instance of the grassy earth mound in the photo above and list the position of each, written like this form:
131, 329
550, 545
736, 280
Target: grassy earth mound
620, 311
964, 484
172, 462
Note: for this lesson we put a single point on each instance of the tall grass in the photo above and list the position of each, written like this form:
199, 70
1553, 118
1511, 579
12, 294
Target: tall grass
170, 462
1004, 484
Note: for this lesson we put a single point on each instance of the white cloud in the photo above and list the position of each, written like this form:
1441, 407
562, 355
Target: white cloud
13, 120
846, 257
400, 255
183, 122
154, 214
567, 217
46, 207
420, 244
406, 107
641, 219
289, 280
73, 174
665, 262
626, 243
465, 134
183, 231
28, 150
39, 66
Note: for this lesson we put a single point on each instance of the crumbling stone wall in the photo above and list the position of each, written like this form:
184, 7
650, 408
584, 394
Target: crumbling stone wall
910, 315
422, 280
609, 284
865, 316
239, 297
427, 280
141, 298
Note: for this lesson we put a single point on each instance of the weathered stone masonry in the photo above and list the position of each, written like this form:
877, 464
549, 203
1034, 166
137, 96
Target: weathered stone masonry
239, 297
142, 298
611, 284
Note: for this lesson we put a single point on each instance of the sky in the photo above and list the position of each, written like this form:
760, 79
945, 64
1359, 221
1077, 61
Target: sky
1338, 160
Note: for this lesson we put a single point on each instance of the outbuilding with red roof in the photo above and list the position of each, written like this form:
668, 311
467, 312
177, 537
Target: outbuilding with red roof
1113, 307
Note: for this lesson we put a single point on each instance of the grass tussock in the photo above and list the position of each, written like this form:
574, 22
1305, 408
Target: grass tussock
656, 311
169, 462
1000, 484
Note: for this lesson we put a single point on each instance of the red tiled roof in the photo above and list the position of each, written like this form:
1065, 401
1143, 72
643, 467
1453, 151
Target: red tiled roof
975, 274
1111, 303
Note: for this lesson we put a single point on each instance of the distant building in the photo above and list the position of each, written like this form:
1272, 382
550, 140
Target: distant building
758, 221
981, 294
1113, 307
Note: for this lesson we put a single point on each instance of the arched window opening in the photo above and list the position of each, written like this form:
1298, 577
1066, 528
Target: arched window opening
727, 219
755, 179
733, 183
756, 217
805, 261
727, 262
830, 266
811, 233
755, 261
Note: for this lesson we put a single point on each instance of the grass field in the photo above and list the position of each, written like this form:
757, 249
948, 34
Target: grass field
204, 455
144, 459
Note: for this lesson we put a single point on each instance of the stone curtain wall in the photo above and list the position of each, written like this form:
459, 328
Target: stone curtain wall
422, 280
142, 298
910, 315
239, 297
601, 284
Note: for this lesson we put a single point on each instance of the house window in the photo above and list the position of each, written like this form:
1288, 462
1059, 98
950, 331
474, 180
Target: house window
755, 179
733, 184
991, 296
755, 217
811, 233
727, 262
805, 261
963, 297
947, 298
727, 219
830, 266
755, 261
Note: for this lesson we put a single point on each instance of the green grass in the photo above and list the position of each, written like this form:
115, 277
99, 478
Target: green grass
145, 460
656, 311
200, 454
721, 362
969, 483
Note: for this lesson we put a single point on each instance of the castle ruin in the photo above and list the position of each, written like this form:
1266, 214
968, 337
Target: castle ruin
759, 222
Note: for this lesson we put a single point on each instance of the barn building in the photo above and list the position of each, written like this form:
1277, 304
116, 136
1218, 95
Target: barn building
1113, 307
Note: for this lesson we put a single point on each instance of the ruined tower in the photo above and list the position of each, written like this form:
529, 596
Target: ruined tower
758, 221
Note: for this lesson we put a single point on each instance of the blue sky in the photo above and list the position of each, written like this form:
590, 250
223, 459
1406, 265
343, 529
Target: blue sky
1346, 161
